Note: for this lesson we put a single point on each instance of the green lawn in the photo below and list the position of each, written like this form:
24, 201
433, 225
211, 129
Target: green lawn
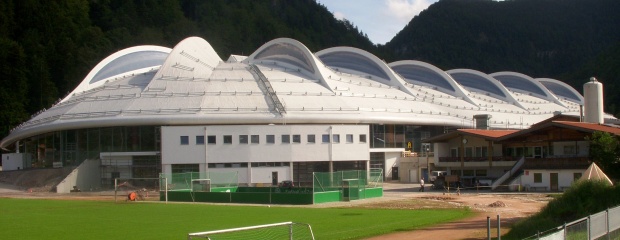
71, 219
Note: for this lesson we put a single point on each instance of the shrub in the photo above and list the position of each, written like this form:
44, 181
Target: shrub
582, 199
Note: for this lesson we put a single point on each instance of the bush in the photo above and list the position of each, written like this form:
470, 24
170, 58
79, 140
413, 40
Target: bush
582, 199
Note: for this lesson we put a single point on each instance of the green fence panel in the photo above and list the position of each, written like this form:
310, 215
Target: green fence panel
324, 197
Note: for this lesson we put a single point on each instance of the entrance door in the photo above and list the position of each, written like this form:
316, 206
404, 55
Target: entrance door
553, 181
413, 175
274, 178
394, 173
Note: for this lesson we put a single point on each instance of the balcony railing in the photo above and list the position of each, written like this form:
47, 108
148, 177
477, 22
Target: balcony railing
478, 159
557, 163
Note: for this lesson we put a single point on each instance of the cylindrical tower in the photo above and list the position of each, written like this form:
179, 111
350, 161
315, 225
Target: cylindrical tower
593, 100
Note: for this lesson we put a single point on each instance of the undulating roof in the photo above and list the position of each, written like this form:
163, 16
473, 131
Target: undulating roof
283, 82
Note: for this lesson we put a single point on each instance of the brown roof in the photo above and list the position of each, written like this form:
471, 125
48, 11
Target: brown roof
488, 133
591, 126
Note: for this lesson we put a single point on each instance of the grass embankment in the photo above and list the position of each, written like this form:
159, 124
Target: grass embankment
66, 219
582, 199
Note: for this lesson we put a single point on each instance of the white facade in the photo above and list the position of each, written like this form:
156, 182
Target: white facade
549, 180
249, 151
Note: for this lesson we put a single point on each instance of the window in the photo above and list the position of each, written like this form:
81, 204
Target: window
286, 138
468, 152
311, 138
271, 139
481, 172
296, 138
183, 168
569, 150
255, 139
537, 177
454, 152
184, 140
243, 139
211, 139
227, 139
325, 138
200, 140
576, 176
349, 138
336, 138
362, 138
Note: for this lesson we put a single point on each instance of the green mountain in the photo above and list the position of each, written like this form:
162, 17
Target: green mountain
48, 47
540, 38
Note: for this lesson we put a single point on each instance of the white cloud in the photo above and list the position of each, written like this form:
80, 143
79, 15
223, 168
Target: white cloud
339, 15
405, 10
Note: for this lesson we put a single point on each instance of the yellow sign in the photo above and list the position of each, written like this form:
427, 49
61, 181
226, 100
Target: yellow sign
409, 145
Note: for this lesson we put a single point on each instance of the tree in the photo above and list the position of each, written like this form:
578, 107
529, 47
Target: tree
604, 151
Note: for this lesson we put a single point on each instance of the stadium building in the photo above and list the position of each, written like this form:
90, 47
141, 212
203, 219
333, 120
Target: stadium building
278, 114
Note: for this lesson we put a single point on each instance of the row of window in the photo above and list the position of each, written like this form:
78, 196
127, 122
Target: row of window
181, 168
271, 139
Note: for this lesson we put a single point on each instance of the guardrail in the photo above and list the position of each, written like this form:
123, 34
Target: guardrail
601, 225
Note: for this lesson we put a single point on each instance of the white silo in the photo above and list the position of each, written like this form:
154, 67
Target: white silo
593, 101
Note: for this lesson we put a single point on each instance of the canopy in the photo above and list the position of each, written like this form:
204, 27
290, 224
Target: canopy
595, 173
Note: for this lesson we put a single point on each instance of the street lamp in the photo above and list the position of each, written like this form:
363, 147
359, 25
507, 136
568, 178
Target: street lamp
428, 164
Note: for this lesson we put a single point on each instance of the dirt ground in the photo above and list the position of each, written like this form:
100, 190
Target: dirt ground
510, 206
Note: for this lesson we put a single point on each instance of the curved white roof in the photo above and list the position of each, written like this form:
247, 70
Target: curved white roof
130, 60
561, 89
190, 84
423, 73
522, 83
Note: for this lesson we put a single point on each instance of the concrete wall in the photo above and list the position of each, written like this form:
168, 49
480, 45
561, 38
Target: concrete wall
86, 176
16, 161
565, 178
303, 151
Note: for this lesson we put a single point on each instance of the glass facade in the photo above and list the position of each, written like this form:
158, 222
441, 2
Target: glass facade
71, 147
410, 137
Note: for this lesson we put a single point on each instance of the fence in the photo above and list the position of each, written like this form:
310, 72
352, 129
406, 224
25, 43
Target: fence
602, 225
184, 181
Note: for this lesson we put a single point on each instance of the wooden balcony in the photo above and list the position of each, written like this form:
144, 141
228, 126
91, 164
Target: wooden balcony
478, 159
557, 163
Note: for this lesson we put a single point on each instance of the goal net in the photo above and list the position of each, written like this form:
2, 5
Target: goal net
136, 189
275, 231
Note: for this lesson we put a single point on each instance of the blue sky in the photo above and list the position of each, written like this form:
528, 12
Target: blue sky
381, 20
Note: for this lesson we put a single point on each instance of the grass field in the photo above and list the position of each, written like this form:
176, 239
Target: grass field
73, 219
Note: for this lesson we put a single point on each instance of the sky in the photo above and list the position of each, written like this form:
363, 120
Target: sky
381, 20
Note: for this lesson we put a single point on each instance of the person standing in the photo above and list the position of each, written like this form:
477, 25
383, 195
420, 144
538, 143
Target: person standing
421, 185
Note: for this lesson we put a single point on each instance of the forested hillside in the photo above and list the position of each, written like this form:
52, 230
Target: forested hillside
48, 47
540, 38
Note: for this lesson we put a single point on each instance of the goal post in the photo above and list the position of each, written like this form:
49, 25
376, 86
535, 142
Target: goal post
283, 230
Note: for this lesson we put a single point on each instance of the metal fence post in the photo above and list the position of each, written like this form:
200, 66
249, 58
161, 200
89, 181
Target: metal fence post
499, 236
488, 228
588, 227
564, 226
608, 226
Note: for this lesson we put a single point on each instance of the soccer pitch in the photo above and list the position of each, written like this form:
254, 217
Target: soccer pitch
74, 219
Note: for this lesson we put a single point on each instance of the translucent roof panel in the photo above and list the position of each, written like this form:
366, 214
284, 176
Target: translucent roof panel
520, 83
353, 61
130, 62
475, 81
286, 53
561, 90
423, 74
